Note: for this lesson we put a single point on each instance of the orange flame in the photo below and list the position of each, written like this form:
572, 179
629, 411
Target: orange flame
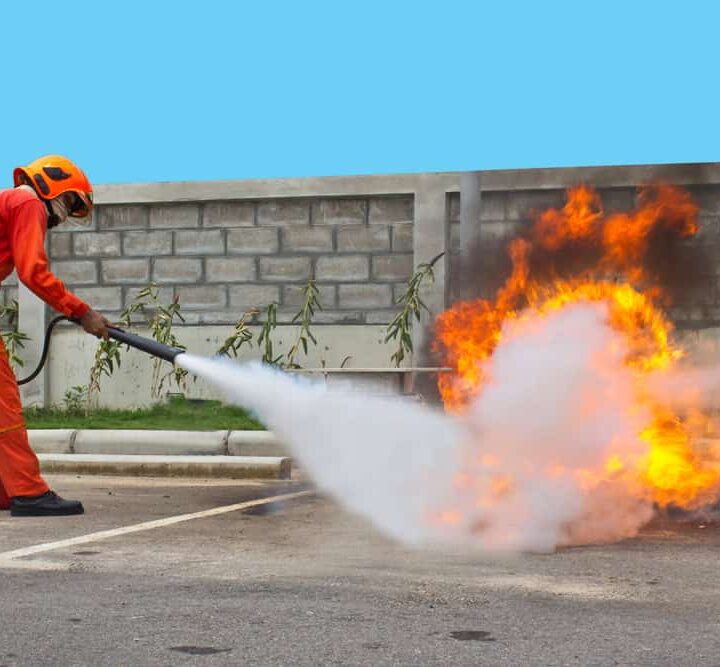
579, 254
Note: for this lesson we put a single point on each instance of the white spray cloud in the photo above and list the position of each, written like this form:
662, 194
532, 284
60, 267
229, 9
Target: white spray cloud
507, 475
696, 384
386, 460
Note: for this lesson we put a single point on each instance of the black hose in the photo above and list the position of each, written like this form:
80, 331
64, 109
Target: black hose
147, 345
151, 347
46, 348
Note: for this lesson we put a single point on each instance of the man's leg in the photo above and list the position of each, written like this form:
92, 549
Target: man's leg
19, 468
4, 498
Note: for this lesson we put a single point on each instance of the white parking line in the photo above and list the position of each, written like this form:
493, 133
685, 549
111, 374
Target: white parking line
148, 525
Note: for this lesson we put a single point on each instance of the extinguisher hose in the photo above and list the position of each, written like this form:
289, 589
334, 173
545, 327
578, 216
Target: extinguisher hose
147, 345
46, 348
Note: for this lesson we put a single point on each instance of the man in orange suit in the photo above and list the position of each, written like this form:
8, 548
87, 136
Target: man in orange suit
46, 193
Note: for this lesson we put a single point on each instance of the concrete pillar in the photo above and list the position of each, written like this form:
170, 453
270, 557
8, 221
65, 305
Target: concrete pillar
431, 237
31, 320
470, 203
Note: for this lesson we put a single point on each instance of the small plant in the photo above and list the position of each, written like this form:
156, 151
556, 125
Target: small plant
147, 296
107, 359
266, 335
240, 336
107, 353
161, 327
304, 317
76, 400
13, 338
400, 328
160, 319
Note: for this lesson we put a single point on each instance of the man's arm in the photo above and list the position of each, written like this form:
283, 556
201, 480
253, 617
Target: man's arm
27, 239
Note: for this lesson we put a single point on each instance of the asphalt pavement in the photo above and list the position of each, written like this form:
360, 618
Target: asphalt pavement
302, 582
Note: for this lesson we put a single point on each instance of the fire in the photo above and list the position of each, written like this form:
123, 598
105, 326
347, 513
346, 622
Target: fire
580, 254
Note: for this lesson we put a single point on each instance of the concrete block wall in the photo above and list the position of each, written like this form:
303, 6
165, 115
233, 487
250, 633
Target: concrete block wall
9, 290
509, 200
8, 294
72, 353
503, 216
226, 246
221, 258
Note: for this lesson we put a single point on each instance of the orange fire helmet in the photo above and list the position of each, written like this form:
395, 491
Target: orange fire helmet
54, 175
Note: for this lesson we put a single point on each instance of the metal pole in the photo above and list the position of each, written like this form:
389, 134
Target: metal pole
470, 250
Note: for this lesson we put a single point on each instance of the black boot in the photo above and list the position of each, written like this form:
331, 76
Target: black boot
48, 504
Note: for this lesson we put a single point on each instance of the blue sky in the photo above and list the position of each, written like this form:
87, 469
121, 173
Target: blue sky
156, 91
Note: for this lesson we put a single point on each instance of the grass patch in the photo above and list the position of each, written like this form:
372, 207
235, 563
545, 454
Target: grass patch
178, 414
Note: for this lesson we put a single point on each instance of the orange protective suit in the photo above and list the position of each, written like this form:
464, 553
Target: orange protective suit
23, 224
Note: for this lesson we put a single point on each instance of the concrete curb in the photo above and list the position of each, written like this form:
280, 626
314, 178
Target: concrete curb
255, 443
52, 441
161, 443
227, 467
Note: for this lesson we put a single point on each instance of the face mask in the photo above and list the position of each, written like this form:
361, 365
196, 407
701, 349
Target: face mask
57, 212
27, 188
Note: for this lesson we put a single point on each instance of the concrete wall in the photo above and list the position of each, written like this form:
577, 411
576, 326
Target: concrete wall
223, 247
8, 291
222, 258
509, 198
131, 385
